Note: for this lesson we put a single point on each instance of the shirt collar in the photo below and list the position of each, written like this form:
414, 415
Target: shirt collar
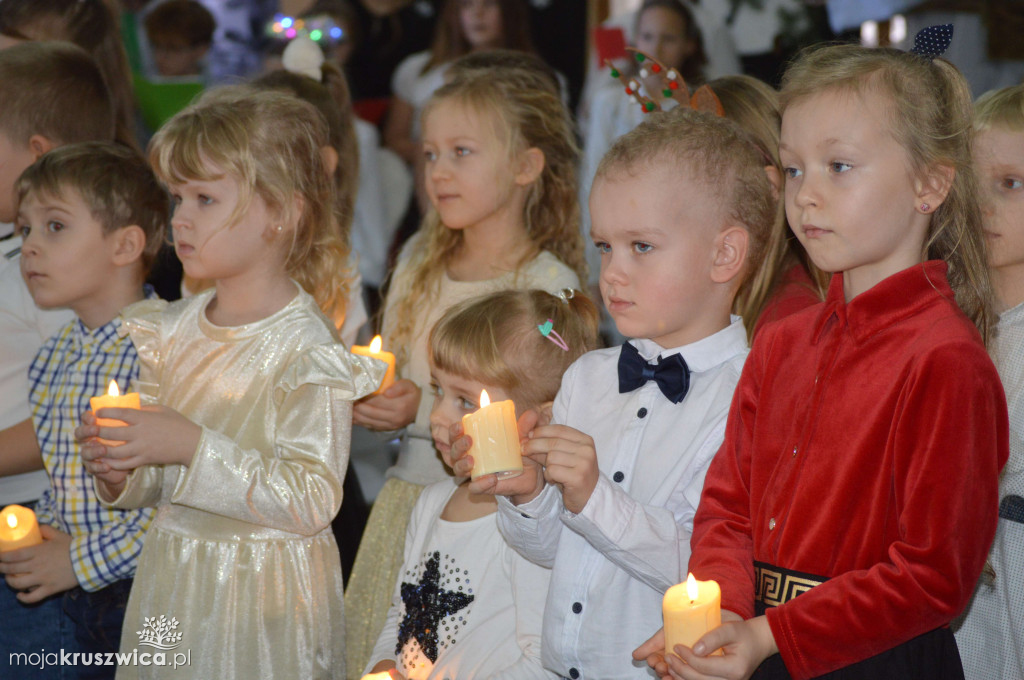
105, 335
706, 353
886, 303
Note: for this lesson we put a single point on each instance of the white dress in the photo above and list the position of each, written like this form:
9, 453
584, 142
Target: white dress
241, 553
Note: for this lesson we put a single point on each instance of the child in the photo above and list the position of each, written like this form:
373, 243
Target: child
245, 458
501, 163
90, 25
53, 94
496, 343
878, 400
665, 30
91, 217
464, 26
180, 33
991, 636
625, 458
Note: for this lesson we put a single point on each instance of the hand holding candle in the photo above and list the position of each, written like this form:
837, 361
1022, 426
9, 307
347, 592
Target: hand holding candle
18, 528
495, 436
113, 399
374, 351
690, 610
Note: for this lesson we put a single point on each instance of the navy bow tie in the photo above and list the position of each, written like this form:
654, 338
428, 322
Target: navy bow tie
671, 373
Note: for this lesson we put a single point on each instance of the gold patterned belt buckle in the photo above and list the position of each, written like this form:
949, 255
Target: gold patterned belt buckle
776, 585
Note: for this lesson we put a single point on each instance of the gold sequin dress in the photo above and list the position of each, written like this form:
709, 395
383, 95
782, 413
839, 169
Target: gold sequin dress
240, 555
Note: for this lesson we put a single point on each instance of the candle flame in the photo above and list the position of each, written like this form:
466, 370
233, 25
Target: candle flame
12, 520
375, 344
692, 589
112, 390
484, 399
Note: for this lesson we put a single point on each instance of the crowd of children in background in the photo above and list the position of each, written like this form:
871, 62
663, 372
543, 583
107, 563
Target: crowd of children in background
769, 337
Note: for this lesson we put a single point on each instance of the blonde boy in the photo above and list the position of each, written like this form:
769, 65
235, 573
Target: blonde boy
991, 634
681, 210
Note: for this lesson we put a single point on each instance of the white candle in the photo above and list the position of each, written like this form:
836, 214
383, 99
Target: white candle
495, 448
113, 399
690, 610
374, 351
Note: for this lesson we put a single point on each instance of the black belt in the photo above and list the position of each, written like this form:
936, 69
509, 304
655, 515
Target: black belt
777, 585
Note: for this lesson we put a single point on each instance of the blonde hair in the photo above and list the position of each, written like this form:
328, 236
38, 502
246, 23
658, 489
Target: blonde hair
495, 340
721, 155
270, 143
529, 117
754, 106
331, 98
931, 118
1000, 108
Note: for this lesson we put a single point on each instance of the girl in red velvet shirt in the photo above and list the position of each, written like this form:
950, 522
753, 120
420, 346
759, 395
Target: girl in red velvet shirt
850, 509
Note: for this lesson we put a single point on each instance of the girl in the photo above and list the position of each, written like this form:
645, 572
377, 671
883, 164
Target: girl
665, 30
90, 25
884, 395
494, 343
245, 444
464, 26
501, 161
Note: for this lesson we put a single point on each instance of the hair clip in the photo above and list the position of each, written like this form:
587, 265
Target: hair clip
565, 295
932, 41
672, 87
547, 330
304, 57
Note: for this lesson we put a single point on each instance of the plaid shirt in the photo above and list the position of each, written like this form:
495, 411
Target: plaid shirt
72, 366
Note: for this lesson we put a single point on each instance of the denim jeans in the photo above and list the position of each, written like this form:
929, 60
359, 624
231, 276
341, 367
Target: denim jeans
34, 629
97, 621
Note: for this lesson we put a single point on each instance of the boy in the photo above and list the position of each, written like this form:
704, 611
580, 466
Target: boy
681, 209
991, 637
91, 217
53, 94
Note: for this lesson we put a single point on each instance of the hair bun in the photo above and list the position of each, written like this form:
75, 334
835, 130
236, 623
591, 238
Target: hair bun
303, 56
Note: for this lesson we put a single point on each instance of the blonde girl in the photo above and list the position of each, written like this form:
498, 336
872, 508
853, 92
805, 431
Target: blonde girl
243, 443
838, 517
498, 343
500, 158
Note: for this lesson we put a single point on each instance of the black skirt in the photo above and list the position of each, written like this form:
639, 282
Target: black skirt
931, 656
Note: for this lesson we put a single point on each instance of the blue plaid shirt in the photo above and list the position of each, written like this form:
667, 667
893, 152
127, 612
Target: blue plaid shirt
72, 366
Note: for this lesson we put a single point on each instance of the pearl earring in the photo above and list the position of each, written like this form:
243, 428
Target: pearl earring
280, 227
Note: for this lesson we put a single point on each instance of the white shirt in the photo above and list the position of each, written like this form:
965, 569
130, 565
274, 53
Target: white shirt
497, 634
991, 639
613, 562
23, 329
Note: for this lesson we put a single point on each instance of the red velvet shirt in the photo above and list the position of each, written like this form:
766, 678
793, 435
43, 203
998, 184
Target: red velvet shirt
863, 444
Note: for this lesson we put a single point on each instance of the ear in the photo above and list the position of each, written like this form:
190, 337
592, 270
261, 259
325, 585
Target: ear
531, 164
933, 188
128, 244
40, 144
330, 157
775, 179
730, 254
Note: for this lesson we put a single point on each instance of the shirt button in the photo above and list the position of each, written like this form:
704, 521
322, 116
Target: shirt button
641, 413
771, 524
618, 476
573, 673
525, 515
577, 607
794, 452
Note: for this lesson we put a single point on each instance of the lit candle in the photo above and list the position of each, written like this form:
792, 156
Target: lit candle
18, 528
690, 610
383, 675
113, 399
375, 352
495, 448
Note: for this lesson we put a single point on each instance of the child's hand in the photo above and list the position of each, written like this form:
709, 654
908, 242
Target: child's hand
154, 435
385, 667
653, 652
41, 570
393, 409
745, 645
112, 481
520, 489
569, 460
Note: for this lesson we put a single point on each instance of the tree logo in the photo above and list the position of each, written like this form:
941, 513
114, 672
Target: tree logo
159, 632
